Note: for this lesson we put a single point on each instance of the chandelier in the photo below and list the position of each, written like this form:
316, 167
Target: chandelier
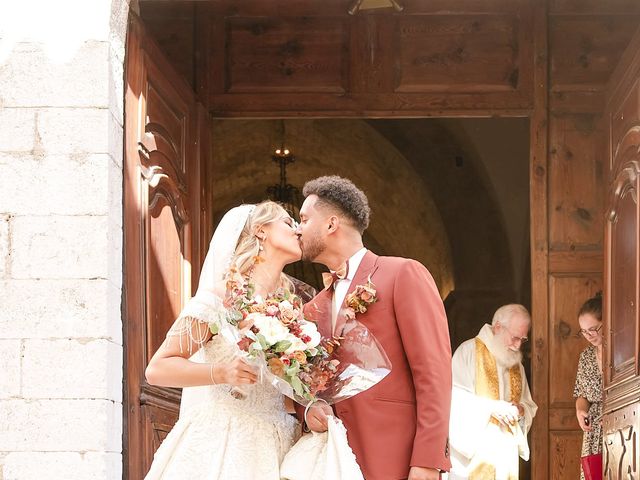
290, 198
283, 192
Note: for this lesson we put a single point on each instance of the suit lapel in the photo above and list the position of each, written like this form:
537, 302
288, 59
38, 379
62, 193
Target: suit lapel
367, 267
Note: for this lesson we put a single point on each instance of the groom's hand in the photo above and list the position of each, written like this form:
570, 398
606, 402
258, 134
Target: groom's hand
422, 473
317, 417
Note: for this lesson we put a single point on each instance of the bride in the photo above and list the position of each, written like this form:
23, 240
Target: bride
220, 436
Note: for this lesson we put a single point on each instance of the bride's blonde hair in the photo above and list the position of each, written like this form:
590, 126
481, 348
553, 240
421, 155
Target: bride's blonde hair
248, 248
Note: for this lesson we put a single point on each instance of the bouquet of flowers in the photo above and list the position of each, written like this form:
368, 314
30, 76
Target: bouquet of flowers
290, 353
286, 348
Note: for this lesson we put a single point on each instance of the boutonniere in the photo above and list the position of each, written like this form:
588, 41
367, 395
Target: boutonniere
362, 297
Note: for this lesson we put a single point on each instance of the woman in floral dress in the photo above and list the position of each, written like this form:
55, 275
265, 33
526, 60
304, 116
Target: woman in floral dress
588, 388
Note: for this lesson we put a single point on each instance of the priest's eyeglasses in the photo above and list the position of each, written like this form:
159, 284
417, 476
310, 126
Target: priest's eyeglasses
591, 331
515, 338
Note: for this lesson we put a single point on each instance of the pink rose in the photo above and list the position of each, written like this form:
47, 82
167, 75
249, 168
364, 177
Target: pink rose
287, 312
366, 296
245, 343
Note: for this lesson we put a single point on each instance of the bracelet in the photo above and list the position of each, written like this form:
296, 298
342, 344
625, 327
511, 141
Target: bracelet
213, 381
309, 405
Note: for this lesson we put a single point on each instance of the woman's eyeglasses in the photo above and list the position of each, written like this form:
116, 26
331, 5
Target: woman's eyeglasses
590, 331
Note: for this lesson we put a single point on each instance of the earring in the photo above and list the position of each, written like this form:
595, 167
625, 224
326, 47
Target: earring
259, 258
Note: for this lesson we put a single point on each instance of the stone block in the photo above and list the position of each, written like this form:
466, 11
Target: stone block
60, 425
32, 77
10, 356
4, 245
59, 247
18, 129
65, 184
116, 140
72, 368
119, 20
115, 193
114, 323
60, 309
73, 130
115, 266
116, 80
61, 465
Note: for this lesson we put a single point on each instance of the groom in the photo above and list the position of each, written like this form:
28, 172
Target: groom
397, 429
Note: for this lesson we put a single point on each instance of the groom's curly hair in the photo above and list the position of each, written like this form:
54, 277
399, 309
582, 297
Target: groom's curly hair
341, 193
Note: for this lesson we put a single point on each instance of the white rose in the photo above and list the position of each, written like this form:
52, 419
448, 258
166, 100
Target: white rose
310, 329
296, 345
285, 305
271, 329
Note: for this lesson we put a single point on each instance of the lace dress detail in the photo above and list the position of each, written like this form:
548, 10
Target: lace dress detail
220, 437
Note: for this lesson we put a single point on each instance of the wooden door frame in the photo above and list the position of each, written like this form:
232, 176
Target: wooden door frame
537, 115
134, 300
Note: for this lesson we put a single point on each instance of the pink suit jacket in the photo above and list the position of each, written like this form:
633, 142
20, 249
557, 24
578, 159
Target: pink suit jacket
404, 420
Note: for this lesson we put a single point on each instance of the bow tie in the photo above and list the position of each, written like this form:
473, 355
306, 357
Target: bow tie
329, 278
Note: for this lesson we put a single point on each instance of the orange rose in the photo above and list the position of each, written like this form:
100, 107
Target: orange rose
301, 357
276, 366
352, 301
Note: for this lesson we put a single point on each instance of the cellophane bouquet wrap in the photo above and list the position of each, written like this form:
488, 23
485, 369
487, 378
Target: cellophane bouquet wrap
288, 351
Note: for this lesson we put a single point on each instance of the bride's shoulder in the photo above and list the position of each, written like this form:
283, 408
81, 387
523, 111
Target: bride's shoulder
220, 289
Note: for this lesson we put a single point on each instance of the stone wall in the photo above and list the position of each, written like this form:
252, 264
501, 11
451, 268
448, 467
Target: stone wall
61, 117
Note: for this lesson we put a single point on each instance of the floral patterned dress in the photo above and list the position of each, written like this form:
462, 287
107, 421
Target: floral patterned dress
589, 386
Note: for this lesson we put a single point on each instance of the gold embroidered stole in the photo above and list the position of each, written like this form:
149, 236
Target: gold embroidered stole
488, 386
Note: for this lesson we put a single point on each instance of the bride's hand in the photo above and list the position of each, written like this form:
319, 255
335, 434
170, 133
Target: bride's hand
317, 417
238, 372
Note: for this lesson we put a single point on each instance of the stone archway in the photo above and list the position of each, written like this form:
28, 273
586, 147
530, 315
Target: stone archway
430, 194
405, 218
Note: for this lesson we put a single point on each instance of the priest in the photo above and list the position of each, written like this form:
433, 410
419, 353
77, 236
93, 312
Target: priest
492, 408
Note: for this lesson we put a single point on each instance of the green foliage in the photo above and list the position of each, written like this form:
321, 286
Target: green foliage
282, 346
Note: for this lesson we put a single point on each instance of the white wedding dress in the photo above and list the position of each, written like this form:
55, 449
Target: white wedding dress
220, 437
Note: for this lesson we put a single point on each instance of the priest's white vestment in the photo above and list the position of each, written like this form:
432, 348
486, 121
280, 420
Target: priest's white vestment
482, 448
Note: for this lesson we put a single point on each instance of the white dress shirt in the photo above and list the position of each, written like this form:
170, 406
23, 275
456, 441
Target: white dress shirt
342, 286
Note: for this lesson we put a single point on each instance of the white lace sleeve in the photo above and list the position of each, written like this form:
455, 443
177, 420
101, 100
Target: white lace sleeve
199, 319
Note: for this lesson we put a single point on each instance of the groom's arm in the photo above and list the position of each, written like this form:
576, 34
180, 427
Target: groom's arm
425, 337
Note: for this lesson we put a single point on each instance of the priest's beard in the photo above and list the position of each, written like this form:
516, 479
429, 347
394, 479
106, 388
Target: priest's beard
504, 356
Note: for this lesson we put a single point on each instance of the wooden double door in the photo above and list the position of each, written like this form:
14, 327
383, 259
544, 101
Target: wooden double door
621, 423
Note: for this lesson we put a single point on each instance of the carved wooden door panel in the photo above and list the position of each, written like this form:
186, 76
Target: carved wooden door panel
622, 368
163, 211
